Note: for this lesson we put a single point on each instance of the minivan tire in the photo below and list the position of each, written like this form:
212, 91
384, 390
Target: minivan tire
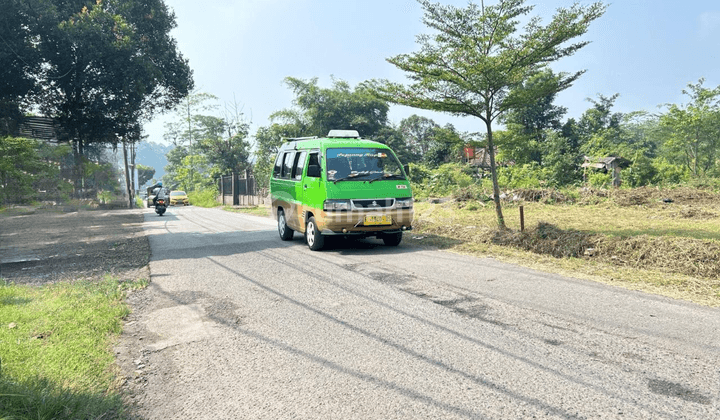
285, 232
315, 240
392, 239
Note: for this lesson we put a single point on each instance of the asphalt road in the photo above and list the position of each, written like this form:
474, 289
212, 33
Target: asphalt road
240, 325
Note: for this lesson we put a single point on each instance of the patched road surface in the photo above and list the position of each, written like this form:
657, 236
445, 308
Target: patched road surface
237, 324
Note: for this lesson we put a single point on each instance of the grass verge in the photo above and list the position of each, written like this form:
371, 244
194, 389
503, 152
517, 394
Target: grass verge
56, 349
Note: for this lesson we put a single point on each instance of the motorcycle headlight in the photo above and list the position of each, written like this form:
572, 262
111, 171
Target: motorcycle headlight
404, 203
336, 205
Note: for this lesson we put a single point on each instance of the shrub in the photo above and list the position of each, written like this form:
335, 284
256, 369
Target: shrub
669, 173
599, 179
204, 197
522, 176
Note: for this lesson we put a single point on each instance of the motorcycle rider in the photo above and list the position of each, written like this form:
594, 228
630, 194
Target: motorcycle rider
159, 192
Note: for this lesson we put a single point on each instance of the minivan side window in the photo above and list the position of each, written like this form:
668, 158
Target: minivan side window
287, 165
299, 165
314, 160
278, 165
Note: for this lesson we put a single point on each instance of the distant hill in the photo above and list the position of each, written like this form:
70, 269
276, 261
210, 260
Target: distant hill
153, 155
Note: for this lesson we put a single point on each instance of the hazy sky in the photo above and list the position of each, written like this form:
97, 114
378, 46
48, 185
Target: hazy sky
241, 50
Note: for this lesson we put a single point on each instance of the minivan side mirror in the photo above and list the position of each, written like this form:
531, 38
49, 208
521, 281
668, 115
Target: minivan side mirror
407, 169
313, 171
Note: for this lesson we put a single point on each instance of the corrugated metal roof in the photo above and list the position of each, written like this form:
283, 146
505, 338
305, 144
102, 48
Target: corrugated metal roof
40, 128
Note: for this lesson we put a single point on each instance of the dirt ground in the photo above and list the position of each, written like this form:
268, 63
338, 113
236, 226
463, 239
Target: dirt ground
44, 245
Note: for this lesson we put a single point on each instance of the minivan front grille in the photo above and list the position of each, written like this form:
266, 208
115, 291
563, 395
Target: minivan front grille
380, 203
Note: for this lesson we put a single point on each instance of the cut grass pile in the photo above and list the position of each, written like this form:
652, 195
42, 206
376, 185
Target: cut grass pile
55, 345
661, 241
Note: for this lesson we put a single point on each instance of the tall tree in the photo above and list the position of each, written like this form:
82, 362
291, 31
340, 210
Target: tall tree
339, 107
694, 128
418, 132
19, 62
145, 174
107, 65
528, 124
475, 60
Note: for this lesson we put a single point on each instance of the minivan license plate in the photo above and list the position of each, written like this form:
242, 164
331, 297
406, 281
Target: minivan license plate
378, 220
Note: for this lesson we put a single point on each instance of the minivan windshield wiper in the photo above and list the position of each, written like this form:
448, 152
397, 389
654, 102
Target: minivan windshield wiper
386, 177
351, 176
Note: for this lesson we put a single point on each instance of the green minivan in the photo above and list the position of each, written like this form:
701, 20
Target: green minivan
340, 185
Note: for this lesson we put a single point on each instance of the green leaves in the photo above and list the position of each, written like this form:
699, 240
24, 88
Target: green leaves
694, 129
477, 60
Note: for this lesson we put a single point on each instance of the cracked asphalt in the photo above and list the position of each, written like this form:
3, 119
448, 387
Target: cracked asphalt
237, 324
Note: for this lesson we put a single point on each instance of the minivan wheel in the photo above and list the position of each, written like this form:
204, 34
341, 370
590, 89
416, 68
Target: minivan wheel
392, 239
285, 232
314, 238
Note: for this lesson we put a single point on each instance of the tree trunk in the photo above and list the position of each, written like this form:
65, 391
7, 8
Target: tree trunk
132, 171
493, 171
127, 176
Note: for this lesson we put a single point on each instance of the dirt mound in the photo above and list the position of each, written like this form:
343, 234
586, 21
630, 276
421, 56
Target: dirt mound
541, 196
650, 195
689, 256
546, 239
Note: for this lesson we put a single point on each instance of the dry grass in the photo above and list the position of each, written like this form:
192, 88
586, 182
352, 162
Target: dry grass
664, 242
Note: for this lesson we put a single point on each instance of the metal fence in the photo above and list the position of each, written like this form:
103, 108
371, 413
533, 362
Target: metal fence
239, 190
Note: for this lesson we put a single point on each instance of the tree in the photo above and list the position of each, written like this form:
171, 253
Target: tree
529, 124
188, 113
446, 146
475, 62
694, 129
418, 133
107, 66
19, 61
213, 145
267, 142
316, 111
27, 167
321, 110
145, 173
393, 137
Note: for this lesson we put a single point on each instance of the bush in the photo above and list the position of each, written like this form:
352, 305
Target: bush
598, 179
204, 198
522, 176
669, 173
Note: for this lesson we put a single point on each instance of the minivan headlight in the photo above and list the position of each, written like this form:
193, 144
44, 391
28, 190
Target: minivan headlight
336, 205
404, 203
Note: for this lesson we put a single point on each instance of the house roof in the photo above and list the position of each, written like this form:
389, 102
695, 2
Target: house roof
606, 162
39, 128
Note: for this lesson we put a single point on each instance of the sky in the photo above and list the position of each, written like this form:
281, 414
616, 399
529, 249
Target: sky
647, 51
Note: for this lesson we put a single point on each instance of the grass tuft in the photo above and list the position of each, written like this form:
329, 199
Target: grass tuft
54, 342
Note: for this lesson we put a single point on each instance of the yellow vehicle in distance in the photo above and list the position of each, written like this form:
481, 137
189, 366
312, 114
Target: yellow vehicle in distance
179, 198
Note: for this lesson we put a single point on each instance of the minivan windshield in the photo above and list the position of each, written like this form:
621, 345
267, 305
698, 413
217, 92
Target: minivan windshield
362, 164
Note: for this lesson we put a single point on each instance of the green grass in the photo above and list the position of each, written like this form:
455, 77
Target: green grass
55, 344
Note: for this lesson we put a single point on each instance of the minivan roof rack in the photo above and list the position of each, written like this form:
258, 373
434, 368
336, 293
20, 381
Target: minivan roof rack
344, 134
299, 138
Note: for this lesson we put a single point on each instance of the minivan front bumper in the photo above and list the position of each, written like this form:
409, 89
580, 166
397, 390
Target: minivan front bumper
355, 222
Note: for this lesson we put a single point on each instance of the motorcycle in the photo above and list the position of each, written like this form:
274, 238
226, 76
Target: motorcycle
160, 206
